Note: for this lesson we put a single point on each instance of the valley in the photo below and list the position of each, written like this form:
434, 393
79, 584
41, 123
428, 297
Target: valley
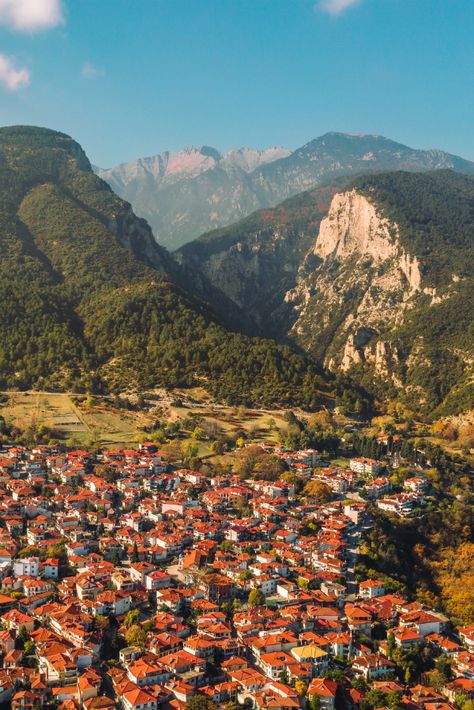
269, 429
236, 355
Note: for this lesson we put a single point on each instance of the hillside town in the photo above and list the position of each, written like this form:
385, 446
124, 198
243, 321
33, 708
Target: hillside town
127, 582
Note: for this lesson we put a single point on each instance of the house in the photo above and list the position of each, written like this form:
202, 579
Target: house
138, 699
424, 622
372, 666
147, 670
157, 579
359, 620
50, 568
318, 658
218, 588
275, 663
406, 637
26, 567
365, 466
370, 588
459, 687
326, 691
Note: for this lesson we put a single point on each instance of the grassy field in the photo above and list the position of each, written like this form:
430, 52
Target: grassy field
99, 422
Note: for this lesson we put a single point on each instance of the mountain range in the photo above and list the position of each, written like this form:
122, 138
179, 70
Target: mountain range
357, 291
184, 194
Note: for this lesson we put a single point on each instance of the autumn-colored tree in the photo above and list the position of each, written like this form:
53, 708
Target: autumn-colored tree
131, 618
318, 490
254, 461
301, 687
322, 420
455, 577
172, 451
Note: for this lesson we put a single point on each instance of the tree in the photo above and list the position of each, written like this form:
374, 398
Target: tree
359, 684
256, 597
136, 636
22, 637
254, 461
134, 557
315, 702
394, 701
444, 667
318, 490
390, 644
189, 451
375, 698
57, 550
131, 618
301, 687
29, 648
284, 677
29, 551
101, 622
200, 702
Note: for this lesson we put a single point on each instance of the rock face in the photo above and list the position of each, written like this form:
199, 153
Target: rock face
193, 191
355, 227
368, 305
371, 276
136, 236
364, 279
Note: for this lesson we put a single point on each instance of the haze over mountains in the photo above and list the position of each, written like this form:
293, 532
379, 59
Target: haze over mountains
187, 193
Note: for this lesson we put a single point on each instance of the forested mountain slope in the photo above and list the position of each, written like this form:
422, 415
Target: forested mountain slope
374, 278
90, 301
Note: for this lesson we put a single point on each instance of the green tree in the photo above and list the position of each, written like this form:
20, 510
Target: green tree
256, 597
131, 618
22, 637
136, 636
390, 644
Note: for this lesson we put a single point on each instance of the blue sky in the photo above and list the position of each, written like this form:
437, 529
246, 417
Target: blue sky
129, 78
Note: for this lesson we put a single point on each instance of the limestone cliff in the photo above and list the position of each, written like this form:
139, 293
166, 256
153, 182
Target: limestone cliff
351, 305
363, 279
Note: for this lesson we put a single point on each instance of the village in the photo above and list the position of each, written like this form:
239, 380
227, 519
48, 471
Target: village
129, 582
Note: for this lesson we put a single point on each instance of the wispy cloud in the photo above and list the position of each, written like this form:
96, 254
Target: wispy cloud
90, 71
336, 7
12, 78
31, 15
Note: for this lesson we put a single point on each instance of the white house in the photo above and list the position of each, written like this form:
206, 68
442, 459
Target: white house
28, 566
